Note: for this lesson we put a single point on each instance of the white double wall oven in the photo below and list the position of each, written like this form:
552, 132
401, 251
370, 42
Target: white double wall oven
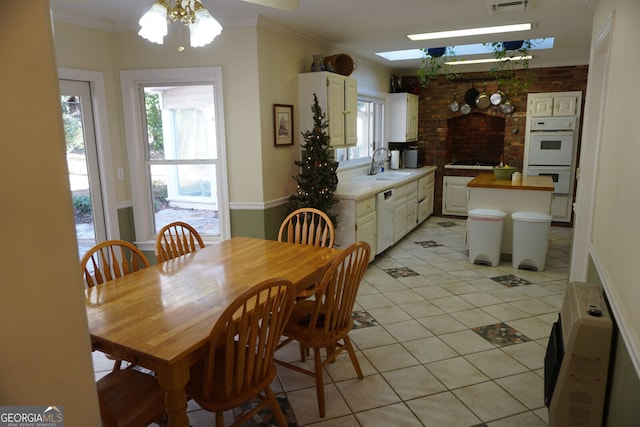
551, 145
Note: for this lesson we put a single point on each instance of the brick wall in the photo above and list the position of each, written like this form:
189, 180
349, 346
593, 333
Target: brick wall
475, 136
445, 134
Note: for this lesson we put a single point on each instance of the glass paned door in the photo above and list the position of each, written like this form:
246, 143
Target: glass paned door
82, 162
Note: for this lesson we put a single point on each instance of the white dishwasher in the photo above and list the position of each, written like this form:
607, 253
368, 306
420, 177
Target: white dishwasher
384, 215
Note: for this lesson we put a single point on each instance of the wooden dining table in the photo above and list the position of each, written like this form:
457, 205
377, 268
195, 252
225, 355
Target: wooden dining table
160, 317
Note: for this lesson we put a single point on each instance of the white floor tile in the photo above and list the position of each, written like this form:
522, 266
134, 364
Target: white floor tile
370, 337
442, 409
305, 404
429, 349
525, 387
392, 314
390, 357
456, 372
465, 342
407, 330
496, 363
367, 393
530, 354
531, 327
413, 382
499, 406
392, 415
474, 317
441, 324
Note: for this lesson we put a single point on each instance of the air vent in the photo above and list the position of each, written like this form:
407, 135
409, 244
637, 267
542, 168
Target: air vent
508, 6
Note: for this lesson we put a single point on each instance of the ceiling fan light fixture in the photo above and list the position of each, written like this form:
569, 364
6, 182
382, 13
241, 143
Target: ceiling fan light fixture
203, 27
153, 24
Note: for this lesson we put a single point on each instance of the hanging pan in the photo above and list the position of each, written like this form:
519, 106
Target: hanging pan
507, 107
482, 100
471, 95
454, 106
497, 98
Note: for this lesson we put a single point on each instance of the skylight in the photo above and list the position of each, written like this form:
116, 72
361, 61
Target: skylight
462, 50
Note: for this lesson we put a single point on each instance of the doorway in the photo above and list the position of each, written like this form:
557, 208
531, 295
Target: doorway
82, 163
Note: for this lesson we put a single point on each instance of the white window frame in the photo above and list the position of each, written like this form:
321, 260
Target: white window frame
131, 80
379, 99
105, 165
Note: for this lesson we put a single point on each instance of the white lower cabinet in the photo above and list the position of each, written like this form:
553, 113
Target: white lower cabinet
455, 195
425, 196
405, 215
560, 208
358, 219
366, 224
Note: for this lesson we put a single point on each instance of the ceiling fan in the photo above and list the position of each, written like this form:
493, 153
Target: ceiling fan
277, 4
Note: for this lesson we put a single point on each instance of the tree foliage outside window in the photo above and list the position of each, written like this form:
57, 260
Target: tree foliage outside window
72, 125
154, 123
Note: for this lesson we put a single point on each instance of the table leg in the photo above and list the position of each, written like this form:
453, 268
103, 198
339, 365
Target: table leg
173, 379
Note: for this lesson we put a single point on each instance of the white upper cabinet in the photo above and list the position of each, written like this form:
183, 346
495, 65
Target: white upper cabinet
403, 117
545, 105
338, 98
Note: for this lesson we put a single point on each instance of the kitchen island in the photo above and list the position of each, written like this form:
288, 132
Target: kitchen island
531, 194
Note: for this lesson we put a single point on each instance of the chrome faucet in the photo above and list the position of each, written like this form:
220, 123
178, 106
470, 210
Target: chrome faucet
377, 165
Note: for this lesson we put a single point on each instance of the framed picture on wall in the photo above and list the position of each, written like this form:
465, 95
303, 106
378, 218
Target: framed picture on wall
283, 124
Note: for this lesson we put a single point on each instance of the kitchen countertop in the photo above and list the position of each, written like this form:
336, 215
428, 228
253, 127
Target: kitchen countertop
361, 187
471, 167
529, 182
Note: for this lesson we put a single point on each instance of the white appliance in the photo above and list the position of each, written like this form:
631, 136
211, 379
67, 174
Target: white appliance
561, 176
551, 145
384, 220
552, 123
576, 362
550, 148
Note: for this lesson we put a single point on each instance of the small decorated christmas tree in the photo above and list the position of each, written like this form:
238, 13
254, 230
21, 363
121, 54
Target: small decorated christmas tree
317, 179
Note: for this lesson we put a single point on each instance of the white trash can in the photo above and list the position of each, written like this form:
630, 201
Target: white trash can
530, 239
484, 235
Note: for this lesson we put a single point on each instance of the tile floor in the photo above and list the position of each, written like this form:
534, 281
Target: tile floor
441, 342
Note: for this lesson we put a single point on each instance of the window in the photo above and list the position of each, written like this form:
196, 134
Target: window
370, 131
176, 144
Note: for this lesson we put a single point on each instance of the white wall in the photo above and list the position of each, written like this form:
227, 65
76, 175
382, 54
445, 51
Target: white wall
45, 356
615, 234
607, 230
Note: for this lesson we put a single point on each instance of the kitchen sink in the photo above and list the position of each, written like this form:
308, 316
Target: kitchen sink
383, 176
391, 176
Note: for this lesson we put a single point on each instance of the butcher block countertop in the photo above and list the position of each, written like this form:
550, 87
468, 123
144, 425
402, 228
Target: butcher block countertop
529, 182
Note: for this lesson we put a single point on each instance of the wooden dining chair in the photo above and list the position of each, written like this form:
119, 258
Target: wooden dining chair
325, 320
239, 364
175, 239
130, 398
307, 226
108, 261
